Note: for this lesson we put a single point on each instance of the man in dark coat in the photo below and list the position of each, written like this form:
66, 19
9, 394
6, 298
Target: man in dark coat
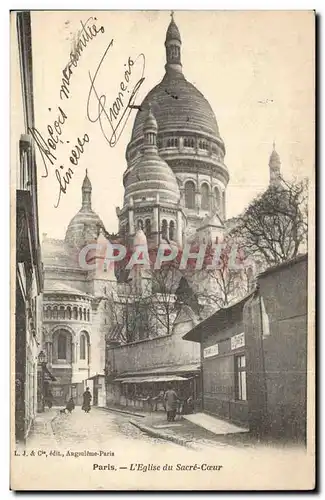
86, 401
171, 400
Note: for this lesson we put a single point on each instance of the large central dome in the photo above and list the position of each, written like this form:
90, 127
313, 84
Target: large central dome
177, 105
180, 109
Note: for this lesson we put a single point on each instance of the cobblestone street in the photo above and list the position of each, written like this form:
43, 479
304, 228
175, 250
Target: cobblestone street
99, 429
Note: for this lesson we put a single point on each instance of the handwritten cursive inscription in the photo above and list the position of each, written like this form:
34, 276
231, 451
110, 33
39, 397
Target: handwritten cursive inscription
113, 118
64, 180
85, 35
46, 145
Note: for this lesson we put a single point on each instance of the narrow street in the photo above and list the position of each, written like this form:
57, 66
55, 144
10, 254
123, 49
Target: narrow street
99, 429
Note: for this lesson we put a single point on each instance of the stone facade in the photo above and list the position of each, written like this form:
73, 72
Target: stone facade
75, 313
189, 142
175, 192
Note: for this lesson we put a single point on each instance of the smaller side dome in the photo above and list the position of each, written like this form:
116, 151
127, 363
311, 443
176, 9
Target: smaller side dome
151, 175
84, 226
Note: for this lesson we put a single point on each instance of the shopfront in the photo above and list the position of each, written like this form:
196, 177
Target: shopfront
224, 364
146, 391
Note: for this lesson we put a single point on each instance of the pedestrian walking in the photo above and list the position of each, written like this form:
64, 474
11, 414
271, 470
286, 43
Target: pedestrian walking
171, 400
86, 400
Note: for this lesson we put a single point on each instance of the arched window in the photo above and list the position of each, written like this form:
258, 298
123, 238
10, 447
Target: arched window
69, 313
168, 143
83, 346
185, 143
205, 196
48, 313
88, 315
85, 315
55, 313
171, 230
192, 143
148, 227
176, 143
140, 224
61, 313
164, 228
190, 194
75, 313
217, 198
62, 346
80, 313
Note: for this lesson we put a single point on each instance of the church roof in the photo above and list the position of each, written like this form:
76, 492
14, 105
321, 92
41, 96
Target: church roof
211, 221
62, 288
55, 253
84, 226
84, 219
178, 106
176, 103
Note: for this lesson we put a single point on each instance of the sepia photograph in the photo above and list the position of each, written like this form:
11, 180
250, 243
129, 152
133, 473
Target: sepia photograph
162, 171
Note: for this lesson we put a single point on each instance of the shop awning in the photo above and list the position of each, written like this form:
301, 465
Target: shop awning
143, 380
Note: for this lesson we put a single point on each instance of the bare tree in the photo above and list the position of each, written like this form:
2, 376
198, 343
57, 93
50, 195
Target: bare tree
274, 226
224, 283
128, 316
160, 297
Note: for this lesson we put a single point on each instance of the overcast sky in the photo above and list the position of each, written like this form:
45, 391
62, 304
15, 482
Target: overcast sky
256, 69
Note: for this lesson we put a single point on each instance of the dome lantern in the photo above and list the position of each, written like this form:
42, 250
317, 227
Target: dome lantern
275, 167
86, 192
150, 129
173, 45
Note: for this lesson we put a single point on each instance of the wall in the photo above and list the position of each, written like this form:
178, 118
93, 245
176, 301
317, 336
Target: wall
285, 349
162, 351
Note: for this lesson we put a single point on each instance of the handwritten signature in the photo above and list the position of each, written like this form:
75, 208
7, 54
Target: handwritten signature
112, 119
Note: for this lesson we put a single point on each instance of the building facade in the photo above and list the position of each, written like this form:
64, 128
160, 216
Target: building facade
184, 137
174, 192
28, 262
75, 313
254, 355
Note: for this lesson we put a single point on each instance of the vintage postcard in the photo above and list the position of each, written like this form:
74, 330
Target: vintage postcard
162, 236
